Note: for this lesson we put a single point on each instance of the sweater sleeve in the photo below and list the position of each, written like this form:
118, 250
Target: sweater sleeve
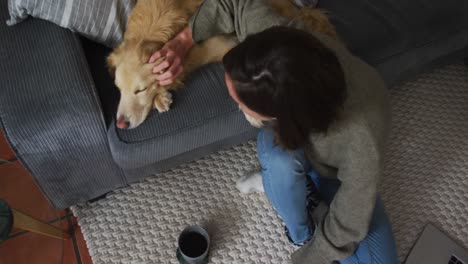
242, 17
342, 226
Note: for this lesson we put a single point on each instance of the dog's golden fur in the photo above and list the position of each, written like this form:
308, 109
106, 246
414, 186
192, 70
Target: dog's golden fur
153, 23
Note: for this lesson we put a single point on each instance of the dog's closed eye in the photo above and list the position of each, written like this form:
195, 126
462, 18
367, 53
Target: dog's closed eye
142, 90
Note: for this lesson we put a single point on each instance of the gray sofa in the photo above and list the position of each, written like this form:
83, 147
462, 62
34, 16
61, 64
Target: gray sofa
57, 101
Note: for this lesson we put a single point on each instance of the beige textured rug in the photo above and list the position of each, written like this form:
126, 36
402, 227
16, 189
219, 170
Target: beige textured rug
425, 180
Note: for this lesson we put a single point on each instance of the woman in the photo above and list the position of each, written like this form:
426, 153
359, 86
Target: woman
326, 118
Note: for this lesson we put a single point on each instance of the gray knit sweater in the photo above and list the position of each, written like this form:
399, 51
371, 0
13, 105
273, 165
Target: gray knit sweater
351, 150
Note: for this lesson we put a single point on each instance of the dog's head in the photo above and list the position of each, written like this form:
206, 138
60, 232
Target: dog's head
135, 80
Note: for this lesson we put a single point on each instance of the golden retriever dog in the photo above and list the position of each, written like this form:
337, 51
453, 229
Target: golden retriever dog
153, 23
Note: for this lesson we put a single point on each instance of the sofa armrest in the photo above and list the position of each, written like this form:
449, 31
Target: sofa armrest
51, 113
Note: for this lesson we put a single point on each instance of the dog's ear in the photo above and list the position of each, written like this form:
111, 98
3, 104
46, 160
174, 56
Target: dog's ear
147, 48
112, 61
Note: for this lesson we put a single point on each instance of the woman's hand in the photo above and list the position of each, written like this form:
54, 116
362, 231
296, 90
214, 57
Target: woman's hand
173, 53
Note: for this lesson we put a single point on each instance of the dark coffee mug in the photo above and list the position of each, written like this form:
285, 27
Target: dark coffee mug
193, 246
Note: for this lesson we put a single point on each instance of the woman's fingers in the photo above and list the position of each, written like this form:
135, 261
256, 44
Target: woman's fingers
173, 53
169, 74
158, 54
172, 71
165, 64
162, 66
170, 80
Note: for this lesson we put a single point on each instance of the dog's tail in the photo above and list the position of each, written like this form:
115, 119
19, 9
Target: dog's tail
316, 20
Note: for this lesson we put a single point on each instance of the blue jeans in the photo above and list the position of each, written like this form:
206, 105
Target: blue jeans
285, 178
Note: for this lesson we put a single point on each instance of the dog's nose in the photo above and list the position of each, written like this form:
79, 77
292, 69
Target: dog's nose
122, 123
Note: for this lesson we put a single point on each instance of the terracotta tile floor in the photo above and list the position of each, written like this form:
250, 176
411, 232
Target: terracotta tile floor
19, 190
5, 151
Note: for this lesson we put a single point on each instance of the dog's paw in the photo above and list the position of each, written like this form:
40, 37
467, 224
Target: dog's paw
163, 102
250, 183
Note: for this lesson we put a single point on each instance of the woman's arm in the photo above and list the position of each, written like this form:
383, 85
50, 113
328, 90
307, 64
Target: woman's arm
241, 17
214, 17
